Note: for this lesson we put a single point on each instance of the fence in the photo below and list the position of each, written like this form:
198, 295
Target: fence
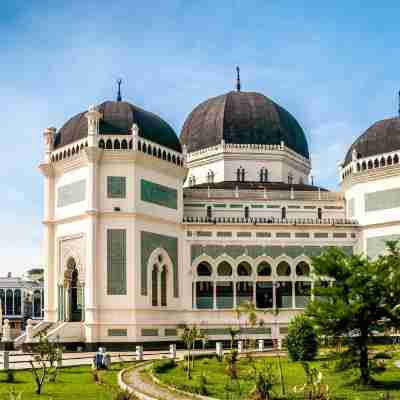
17, 360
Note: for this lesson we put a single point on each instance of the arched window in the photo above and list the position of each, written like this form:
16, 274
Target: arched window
246, 212
283, 213
238, 174
154, 152
209, 212
149, 149
144, 148
376, 163
283, 269
9, 302
210, 177
164, 155
37, 304
319, 213
109, 144
159, 153
17, 302
116, 144
164, 275
224, 269
263, 175
174, 159
302, 269
204, 269
244, 269
2, 301
124, 145
154, 286
395, 159
383, 162
139, 145
169, 157
369, 164
290, 179
389, 160
364, 165
242, 175
264, 269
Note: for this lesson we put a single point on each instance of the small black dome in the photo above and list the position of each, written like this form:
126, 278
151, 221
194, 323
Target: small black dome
118, 118
381, 137
242, 118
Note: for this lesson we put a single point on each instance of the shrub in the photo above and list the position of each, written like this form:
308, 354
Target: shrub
382, 356
301, 341
163, 366
10, 377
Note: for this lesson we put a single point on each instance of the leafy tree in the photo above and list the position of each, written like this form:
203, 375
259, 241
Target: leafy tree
302, 340
362, 299
44, 362
189, 336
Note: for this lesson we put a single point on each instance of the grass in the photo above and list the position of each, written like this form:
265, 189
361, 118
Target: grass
73, 383
342, 385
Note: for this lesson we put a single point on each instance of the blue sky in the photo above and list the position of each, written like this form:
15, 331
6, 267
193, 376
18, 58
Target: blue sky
334, 66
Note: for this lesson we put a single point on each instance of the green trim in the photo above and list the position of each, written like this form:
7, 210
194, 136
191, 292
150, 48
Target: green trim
273, 206
263, 234
382, 200
170, 332
149, 242
116, 187
257, 206
197, 205
117, 332
220, 205
149, 332
204, 233
283, 235
116, 262
236, 205
224, 234
302, 235
254, 251
243, 234
71, 193
321, 235
294, 207
158, 194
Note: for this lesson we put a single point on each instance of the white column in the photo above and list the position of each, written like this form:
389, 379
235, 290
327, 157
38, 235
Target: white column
293, 295
172, 351
93, 155
234, 293
194, 285
215, 295
50, 278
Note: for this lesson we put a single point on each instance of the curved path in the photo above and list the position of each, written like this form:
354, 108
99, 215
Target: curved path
145, 385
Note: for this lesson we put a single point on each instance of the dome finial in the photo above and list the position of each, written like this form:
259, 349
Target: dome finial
238, 79
119, 98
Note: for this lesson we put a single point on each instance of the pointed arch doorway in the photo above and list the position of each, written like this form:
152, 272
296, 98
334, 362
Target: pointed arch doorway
75, 295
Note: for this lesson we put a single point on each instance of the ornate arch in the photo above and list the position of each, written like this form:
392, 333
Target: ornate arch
72, 247
277, 261
203, 258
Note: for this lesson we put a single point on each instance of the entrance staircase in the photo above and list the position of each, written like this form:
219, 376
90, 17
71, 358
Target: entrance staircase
41, 328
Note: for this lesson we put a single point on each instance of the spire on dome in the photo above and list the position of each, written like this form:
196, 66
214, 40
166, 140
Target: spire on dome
119, 98
238, 79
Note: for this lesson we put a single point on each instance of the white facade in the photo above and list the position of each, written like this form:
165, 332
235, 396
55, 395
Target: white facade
133, 251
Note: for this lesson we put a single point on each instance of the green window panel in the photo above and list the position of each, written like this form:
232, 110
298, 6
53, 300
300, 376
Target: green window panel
301, 235
236, 206
150, 241
253, 252
243, 234
340, 235
117, 332
224, 234
116, 262
382, 200
72, 193
273, 206
321, 235
116, 187
294, 207
310, 207
257, 206
195, 205
263, 234
158, 194
377, 246
283, 235
150, 332
220, 205
171, 332
261, 330
215, 331
60, 309
204, 233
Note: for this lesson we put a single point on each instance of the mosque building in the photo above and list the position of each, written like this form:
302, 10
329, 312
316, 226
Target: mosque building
145, 232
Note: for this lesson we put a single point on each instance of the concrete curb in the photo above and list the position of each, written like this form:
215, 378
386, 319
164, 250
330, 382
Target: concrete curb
129, 389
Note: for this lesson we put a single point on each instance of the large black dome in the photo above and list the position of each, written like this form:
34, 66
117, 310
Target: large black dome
117, 119
381, 137
242, 118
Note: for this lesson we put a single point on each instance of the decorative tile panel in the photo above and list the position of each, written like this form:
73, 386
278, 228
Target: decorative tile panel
170, 332
158, 194
71, 193
150, 332
150, 241
382, 200
116, 261
377, 246
235, 251
224, 234
116, 187
117, 332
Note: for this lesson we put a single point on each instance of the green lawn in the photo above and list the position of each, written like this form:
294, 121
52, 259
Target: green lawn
342, 385
75, 383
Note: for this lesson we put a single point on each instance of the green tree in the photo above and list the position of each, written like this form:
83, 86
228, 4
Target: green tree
189, 336
302, 340
362, 298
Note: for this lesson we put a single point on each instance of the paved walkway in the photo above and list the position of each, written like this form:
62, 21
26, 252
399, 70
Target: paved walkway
144, 384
